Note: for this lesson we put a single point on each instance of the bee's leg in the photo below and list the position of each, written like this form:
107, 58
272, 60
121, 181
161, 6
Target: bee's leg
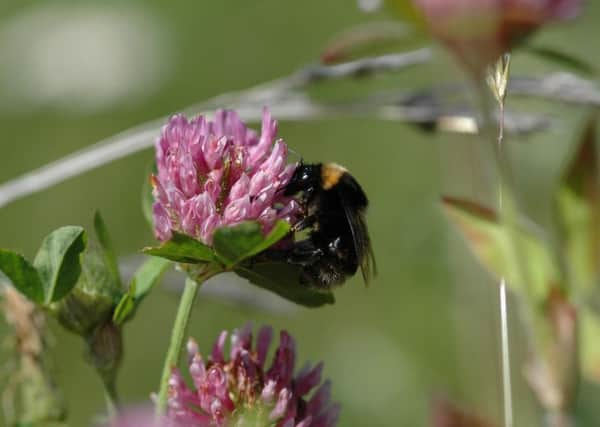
304, 252
304, 223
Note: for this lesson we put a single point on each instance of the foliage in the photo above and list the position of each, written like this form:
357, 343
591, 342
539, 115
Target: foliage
238, 249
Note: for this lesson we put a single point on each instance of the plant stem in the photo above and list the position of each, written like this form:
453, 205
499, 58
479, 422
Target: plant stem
509, 215
111, 398
179, 331
498, 82
506, 369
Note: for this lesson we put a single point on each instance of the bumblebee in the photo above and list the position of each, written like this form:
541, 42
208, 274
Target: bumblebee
338, 242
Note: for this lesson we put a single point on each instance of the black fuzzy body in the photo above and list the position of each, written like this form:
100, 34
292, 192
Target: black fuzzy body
338, 241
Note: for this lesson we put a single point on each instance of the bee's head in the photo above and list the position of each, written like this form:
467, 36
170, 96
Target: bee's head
305, 176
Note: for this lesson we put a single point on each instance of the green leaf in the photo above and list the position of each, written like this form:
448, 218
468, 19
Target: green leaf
148, 275
578, 209
284, 280
126, 306
182, 248
237, 243
579, 241
590, 344
512, 254
233, 243
58, 262
562, 58
107, 247
279, 231
22, 274
583, 174
142, 283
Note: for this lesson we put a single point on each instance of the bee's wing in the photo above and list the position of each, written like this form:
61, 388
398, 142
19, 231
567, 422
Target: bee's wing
360, 233
362, 243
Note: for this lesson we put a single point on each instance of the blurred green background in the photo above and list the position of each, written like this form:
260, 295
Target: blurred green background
73, 72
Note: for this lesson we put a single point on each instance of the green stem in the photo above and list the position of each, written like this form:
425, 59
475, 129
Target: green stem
178, 333
507, 197
510, 217
111, 398
503, 171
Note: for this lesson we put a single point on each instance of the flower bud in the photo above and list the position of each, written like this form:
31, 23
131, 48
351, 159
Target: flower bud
479, 31
93, 299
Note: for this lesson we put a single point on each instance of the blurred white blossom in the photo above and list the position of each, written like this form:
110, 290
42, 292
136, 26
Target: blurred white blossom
80, 58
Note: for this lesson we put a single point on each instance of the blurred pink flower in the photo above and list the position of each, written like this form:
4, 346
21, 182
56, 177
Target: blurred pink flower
242, 390
140, 416
219, 173
479, 31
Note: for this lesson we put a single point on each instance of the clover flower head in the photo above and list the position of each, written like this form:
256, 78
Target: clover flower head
214, 173
239, 388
